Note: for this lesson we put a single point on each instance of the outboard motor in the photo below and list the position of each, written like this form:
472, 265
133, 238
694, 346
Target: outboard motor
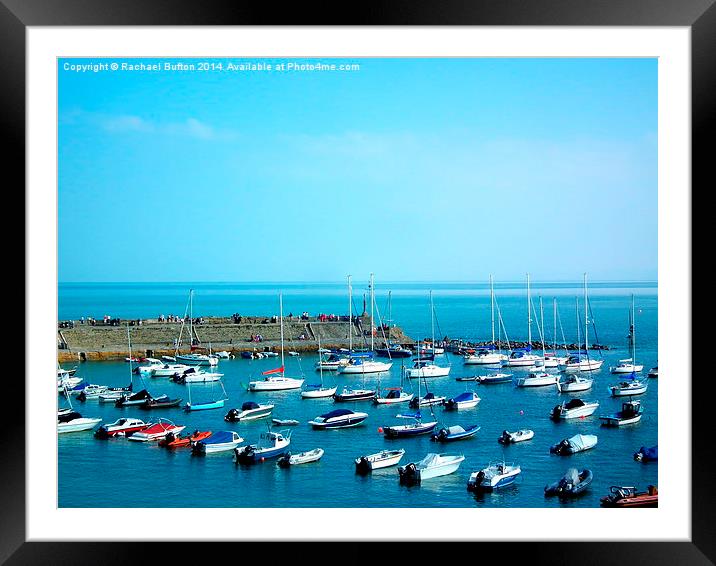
232, 416
82, 397
362, 465
557, 412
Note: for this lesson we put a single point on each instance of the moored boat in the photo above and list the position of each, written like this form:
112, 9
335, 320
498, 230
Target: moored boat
72, 421
647, 454
429, 399
289, 459
432, 466
508, 437
392, 395
631, 413
494, 378
415, 428
172, 440
571, 484
574, 409
221, 441
537, 379
121, 427
629, 497
270, 445
156, 431
160, 403
631, 387
455, 432
577, 443
339, 418
626, 366
382, 459
249, 411
494, 476
465, 400
351, 394
573, 383
654, 372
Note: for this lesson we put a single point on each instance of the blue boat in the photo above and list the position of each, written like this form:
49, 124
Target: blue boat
270, 445
218, 442
339, 418
456, 432
204, 406
415, 429
647, 454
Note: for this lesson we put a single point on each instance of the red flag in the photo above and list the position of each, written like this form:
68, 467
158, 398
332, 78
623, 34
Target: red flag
277, 370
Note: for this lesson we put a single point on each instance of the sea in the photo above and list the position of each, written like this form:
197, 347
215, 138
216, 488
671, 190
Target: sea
119, 473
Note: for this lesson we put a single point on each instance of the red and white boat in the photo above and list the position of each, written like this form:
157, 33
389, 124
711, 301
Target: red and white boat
121, 427
157, 431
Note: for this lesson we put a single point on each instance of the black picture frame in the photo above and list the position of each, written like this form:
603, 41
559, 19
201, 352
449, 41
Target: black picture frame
698, 15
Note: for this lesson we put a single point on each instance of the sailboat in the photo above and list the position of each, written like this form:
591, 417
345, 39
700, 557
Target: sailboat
629, 365
523, 357
318, 391
425, 366
429, 399
272, 381
193, 358
487, 354
364, 362
552, 359
392, 350
415, 428
215, 404
575, 382
541, 377
634, 385
581, 360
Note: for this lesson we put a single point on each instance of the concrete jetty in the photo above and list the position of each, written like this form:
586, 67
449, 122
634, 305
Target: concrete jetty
152, 338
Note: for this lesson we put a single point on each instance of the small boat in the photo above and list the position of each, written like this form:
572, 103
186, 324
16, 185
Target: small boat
394, 351
574, 383
578, 443
74, 390
494, 378
224, 355
293, 353
382, 459
110, 396
206, 405
630, 497
68, 383
331, 361
463, 401
93, 392
198, 359
486, 355
522, 357
270, 445
138, 398
363, 363
157, 431
426, 367
340, 418
172, 440
574, 409
429, 399
631, 413
455, 432
647, 454
317, 391
72, 421
121, 427
494, 476
192, 375
393, 395
537, 379
414, 429
349, 394
632, 387
432, 466
580, 361
170, 370
152, 364
285, 422
218, 442
571, 484
273, 383
160, 403
249, 411
626, 366
467, 378
508, 437
289, 459
552, 360
654, 372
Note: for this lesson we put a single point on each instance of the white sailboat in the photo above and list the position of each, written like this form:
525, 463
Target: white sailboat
318, 391
634, 385
581, 361
539, 378
523, 357
489, 354
629, 365
192, 358
426, 366
275, 379
574, 381
552, 359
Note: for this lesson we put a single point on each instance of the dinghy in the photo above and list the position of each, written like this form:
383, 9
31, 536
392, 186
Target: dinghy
494, 378
157, 431
121, 427
214, 403
571, 484
494, 476
574, 409
432, 466
631, 413
629, 497
160, 403
285, 422
340, 418
270, 445
455, 432
578, 443
249, 411
93, 392
393, 395
382, 459
654, 372
428, 400
647, 454
508, 437
218, 442
172, 440
465, 400
289, 459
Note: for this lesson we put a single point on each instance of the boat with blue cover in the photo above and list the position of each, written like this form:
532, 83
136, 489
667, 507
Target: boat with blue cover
339, 418
221, 441
455, 432
270, 445
465, 400
647, 454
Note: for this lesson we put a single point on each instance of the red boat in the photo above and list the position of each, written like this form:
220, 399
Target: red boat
629, 497
176, 441
157, 431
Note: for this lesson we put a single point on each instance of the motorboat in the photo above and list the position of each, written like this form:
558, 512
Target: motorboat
270, 445
193, 375
647, 454
66, 383
537, 379
631, 413
285, 422
157, 431
465, 400
626, 366
198, 359
486, 355
455, 432
331, 361
339, 418
522, 357
160, 403
629, 497
249, 411
362, 363
224, 355
221, 441
94, 392
72, 421
494, 476
426, 367
571, 484
178, 441
138, 398
631, 387
415, 428
654, 372
573, 409
578, 443
494, 378
432, 466
382, 459
392, 395
508, 437
170, 370
552, 360
394, 351
152, 364
110, 396
124, 426
351, 394
431, 348
289, 459
75, 390
573, 383
429, 399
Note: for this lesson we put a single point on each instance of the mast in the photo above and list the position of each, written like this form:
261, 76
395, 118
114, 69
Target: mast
492, 309
586, 318
633, 332
529, 313
280, 310
541, 316
191, 320
372, 303
432, 323
350, 316
554, 311
390, 312
129, 345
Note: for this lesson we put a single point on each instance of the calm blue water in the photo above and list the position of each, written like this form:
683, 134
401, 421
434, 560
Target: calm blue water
118, 473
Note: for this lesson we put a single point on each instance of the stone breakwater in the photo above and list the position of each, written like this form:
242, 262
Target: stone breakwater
153, 338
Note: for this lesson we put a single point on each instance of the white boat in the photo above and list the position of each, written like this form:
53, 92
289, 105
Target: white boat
151, 365
123, 426
626, 366
631, 413
484, 356
552, 360
494, 476
432, 466
199, 376
362, 363
494, 378
331, 361
67, 383
574, 409
632, 387
289, 459
654, 372
168, 370
318, 390
270, 445
580, 361
465, 400
198, 359
537, 379
424, 365
224, 355
249, 411
629, 365
431, 350
382, 459
110, 396
508, 437
157, 431
77, 425
578, 443
427, 400
222, 441
574, 383
339, 418
392, 395
522, 357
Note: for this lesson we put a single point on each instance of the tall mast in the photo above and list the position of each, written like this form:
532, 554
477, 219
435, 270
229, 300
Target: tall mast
579, 338
586, 318
633, 331
492, 309
129, 345
541, 316
191, 319
554, 312
372, 302
432, 322
280, 311
529, 313
350, 316
390, 312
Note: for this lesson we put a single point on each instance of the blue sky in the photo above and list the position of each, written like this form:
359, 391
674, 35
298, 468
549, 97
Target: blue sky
414, 169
